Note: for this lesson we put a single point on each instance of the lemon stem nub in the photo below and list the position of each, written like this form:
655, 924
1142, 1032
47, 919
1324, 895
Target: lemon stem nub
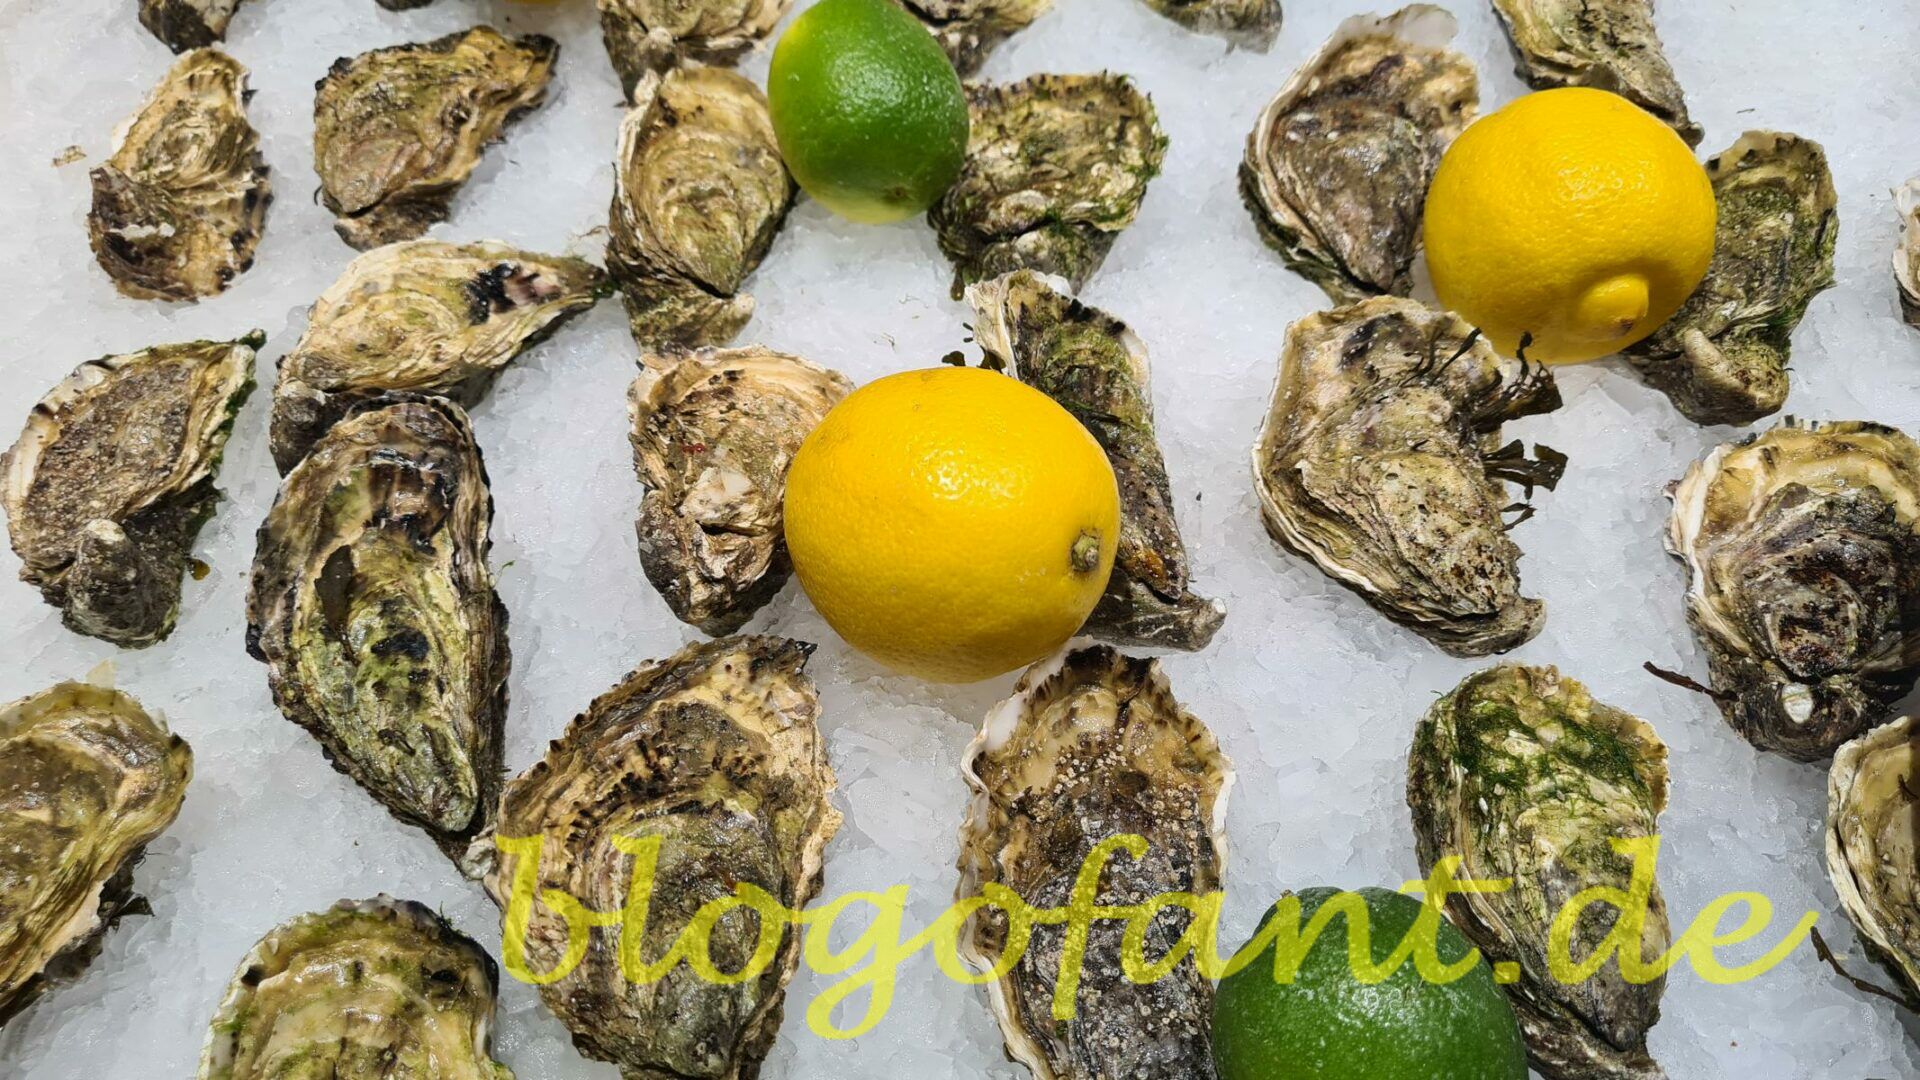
1085, 555
1611, 309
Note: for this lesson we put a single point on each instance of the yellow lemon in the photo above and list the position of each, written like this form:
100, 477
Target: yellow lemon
1571, 217
952, 523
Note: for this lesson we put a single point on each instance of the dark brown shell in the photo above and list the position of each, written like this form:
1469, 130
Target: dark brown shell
970, 29
1606, 44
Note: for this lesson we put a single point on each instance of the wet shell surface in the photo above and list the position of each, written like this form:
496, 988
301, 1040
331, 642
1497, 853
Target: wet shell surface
87, 778
970, 29
1873, 822
1338, 165
1092, 745
1521, 773
1248, 24
1802, 548
1381, 461
1605, 44
421, 317
111, 480
645, 36
187, 24
373, 607
179, 207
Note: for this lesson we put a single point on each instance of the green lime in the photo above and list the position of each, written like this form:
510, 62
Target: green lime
1327, 1025
868, 109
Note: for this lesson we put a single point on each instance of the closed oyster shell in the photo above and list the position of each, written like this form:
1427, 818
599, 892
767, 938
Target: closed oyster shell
1873, 816
113, 476
1056, 167
87, 778
717, 752
713, 434
1521, 773
421, 317
1249, 24
1381, 461
1723, 358
179, 207
370, 990
373, 607
970, 29
1802, 547
1906, 261
397, 131
1096, 368
1092, 745
1339, 162
645, 36
699, 192
187, 24
1606, 44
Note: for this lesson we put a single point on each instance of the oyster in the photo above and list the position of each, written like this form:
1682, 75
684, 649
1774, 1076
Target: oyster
179, 207
1250, 24
370, 990
374, 610
1381, 461
970, 29
699, 192
1093, 745
421, 317
113, 477
713, 434
187, 24
1606, 44
715, 756
1338, 164
396, 131
1723, 358
1802, 547
1906, 261
645, 36
1873, 816
1524, 776
1056, 167
87, 778
1096, 368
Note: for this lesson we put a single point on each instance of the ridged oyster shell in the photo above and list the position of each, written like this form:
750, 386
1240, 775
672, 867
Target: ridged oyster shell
378, 989
187, 24
1096, 368
179, 207
1606, 44
113, 477
373, 607
397, 131
1056, 167
87, 778
1521, 773
970, 29
713, 433
699, 193
1248, 24
1723, 358
645, 36
1906, 260
421, 317
1381, 461
1802, 547
1092, 744
717, 752
1338, 165
1873, 819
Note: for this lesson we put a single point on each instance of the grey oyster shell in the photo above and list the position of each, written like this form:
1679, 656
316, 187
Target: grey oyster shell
1096, 368
1906, 260
1056, 167
87, 778
970, 29
1338, 164
1248, 24
1802, 547
397, 131
645, 36
113, 477
187, 24
378, 989
1723, 357
713, 434
699, 193
1521, 773
373, 607
1092, 745
179, 207
1381, 461
716, 752
1873, 816
1605, 44
421, 317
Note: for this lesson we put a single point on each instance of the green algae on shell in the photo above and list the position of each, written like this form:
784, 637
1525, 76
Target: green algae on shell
1605, 44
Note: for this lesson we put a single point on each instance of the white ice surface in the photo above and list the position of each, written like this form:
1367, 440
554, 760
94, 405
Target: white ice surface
1310, 691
